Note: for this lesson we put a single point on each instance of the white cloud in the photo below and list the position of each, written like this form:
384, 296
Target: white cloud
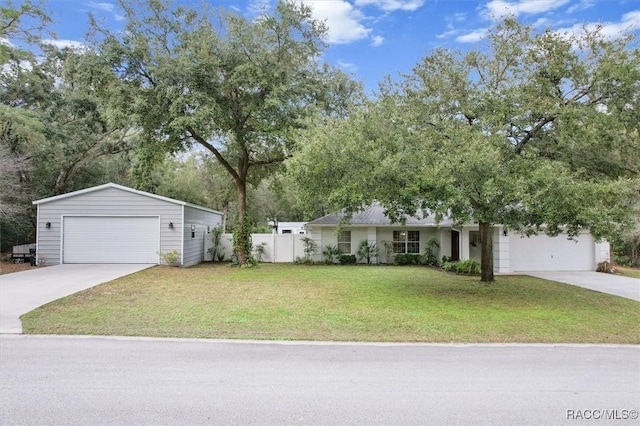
583, 5
473, 36
458, 17
630, 22
107, 7
497, 9
377, 41
255, 7
343, 20
447, 34
62, 44
348, 66
392, 5
5, 41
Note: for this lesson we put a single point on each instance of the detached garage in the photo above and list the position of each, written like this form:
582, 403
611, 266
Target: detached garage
114, 224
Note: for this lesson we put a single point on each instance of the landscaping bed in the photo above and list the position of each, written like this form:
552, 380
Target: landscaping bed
340, 303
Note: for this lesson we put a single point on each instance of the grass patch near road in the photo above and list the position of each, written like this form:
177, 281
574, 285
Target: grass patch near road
339, 303
628, 272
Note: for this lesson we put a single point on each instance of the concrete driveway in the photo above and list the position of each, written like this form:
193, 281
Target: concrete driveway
598, 281
22, 292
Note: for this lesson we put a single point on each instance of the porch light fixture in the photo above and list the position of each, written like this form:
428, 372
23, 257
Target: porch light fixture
48, 225
193, 228
170, 225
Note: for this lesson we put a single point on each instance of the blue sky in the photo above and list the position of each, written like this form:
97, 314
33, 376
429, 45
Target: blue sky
373, 38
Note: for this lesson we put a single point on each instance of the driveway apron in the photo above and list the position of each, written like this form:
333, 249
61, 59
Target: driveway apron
22, 292
598, 281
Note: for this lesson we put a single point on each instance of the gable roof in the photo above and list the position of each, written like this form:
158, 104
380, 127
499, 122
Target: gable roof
122, 188
375, 216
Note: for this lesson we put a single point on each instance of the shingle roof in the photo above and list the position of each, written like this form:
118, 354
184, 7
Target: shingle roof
122, 188
374, 215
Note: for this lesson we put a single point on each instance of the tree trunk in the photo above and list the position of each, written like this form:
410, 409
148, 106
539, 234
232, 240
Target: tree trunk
242, 234
486, 257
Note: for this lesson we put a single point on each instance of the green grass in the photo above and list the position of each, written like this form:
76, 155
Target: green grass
628, 272
340, 303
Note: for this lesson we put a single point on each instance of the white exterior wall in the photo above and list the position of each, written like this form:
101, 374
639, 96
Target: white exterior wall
105, 202
378, 235
501, 252
603, 252
203, 221
279, 248
292, 227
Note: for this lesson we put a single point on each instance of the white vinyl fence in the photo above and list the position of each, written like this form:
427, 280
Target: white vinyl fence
278, 248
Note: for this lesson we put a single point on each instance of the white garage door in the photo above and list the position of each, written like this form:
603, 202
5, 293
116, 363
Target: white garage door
109, 239
544, 253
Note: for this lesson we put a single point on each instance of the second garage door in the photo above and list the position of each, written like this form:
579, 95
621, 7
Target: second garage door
544, 253
110, 239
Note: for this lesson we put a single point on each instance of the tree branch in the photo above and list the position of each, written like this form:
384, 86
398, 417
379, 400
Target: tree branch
215, 152
531, 133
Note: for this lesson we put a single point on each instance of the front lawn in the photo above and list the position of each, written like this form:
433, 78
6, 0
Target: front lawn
340, 303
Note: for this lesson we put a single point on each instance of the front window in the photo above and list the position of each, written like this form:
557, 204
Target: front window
406, 242
413, 241
344, 242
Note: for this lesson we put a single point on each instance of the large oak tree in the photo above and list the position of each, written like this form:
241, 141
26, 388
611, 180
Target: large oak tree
535, 131
239, 88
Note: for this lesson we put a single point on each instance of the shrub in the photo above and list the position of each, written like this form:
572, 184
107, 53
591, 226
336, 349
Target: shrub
469, 267
260, 249
330, 253
446, 259
303, 261
429, 258
170, 258
367, 250
407, 259
217, 252
605, 267
347, 259
310, 247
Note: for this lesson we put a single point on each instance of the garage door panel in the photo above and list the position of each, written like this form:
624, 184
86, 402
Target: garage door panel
111, 239
544, 253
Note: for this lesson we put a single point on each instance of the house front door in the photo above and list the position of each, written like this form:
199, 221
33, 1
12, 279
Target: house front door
455, 245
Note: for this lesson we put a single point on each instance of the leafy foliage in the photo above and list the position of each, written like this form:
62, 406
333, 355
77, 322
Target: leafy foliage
330, 254
170, 258
469, 267
241, 89
347, 259
534, 131
310, 247
242, 242
430, 258
407, 259
367, 250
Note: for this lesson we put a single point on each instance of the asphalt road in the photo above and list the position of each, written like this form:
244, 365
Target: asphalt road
118, 381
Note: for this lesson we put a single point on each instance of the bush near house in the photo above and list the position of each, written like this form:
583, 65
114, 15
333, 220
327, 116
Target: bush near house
407, 259
347, 259
468, 267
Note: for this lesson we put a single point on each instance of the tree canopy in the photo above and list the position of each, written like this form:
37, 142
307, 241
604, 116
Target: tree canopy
241, 89
536, 131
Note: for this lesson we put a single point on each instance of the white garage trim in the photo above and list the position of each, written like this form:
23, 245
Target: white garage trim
109, 239
545, 253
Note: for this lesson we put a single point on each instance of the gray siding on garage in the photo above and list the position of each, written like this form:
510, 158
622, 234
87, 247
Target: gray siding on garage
203, 220
105, 202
